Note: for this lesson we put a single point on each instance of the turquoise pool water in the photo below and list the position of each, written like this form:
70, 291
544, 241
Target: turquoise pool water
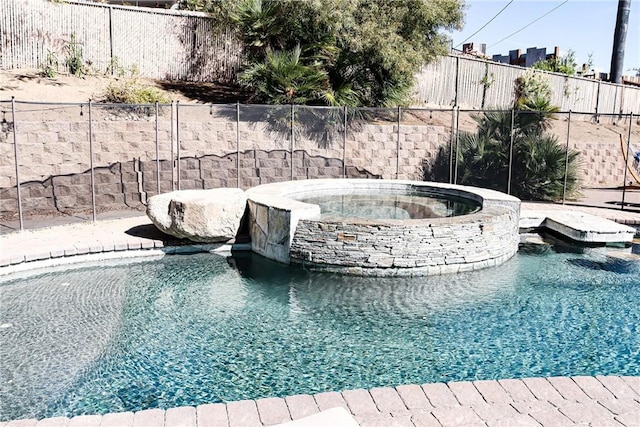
390, 205
186, 330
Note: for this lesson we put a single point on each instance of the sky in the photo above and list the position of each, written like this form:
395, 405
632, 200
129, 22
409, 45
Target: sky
583, 26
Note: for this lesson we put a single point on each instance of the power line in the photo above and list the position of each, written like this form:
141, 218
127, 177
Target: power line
481, 28
529, 24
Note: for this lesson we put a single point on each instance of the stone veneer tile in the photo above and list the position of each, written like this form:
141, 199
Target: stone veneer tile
360, 402
385, 421
593, 388
413, 396
147, 244
53, 422
457, 416
134, 245
330, 399
108, 247
516, 390
621, 406
184, 416
96, 247
387, 400
273, 410
518, 420
16, 259
589, 412
120, 246
81, 248
551, 417
212, 415
301, 405
56, 253
425, 419
22, 423
531, 406
494, 411
618, 387
117, 420
492, 391
148, 418
466, 393
85, 421
243, 413
633, 382
542, 389
439, 395
629, 420
568, 389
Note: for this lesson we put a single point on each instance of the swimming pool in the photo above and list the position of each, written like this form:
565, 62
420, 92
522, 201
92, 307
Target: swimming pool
184, 330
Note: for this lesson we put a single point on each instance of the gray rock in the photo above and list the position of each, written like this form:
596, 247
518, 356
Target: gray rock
199, 215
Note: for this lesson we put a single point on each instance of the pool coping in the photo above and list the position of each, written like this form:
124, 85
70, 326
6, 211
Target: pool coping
552, 401
610, 400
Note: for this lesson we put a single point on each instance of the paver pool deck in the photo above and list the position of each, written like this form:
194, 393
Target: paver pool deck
556, 401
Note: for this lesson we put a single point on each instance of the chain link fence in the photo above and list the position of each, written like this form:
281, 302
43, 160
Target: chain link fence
67, 162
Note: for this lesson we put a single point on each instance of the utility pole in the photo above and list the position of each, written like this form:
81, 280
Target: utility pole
619, 37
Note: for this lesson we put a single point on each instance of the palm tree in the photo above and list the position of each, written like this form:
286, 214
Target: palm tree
538, 160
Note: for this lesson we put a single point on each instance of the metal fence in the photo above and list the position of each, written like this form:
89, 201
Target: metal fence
66, 162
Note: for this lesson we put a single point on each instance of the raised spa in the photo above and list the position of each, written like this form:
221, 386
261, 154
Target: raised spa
383, 227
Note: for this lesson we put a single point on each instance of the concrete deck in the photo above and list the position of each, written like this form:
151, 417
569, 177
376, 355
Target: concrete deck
559, 401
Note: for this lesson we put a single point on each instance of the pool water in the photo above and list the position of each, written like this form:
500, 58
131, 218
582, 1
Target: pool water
193, 329
390, 205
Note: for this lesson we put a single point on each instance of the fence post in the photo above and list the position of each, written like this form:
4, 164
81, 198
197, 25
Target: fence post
292, 136
566, 160
457, 87
238, 144
513, 118
178, 140
15, 156
398, 144
344, 144
173, 157
626, 163
598, 102
453, 129
157, 152
93, 181
111, 57
455, 170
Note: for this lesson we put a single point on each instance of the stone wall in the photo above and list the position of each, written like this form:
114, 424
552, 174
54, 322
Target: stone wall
415, 247
287, 230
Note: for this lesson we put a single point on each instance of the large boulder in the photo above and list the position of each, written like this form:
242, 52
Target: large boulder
199, 215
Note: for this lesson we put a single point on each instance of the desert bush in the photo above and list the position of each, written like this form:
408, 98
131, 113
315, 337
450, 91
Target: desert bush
131, 91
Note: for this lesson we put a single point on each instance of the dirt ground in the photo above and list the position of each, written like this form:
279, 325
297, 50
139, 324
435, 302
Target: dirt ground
30, 85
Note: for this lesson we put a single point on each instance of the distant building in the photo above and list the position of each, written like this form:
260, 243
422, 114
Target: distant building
533, 55
164, 4
475, 49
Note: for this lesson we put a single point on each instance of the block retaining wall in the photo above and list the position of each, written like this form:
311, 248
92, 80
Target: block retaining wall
54, 159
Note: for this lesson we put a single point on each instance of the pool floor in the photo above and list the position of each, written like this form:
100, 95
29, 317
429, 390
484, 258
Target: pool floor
189, 330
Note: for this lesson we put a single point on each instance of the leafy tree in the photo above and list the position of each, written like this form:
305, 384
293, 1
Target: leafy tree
538, 165
367, 50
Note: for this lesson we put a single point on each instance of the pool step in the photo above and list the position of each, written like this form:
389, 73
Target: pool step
578, 226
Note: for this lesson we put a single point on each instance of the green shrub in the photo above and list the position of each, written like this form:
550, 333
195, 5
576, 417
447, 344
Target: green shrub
130, 91
538, 160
